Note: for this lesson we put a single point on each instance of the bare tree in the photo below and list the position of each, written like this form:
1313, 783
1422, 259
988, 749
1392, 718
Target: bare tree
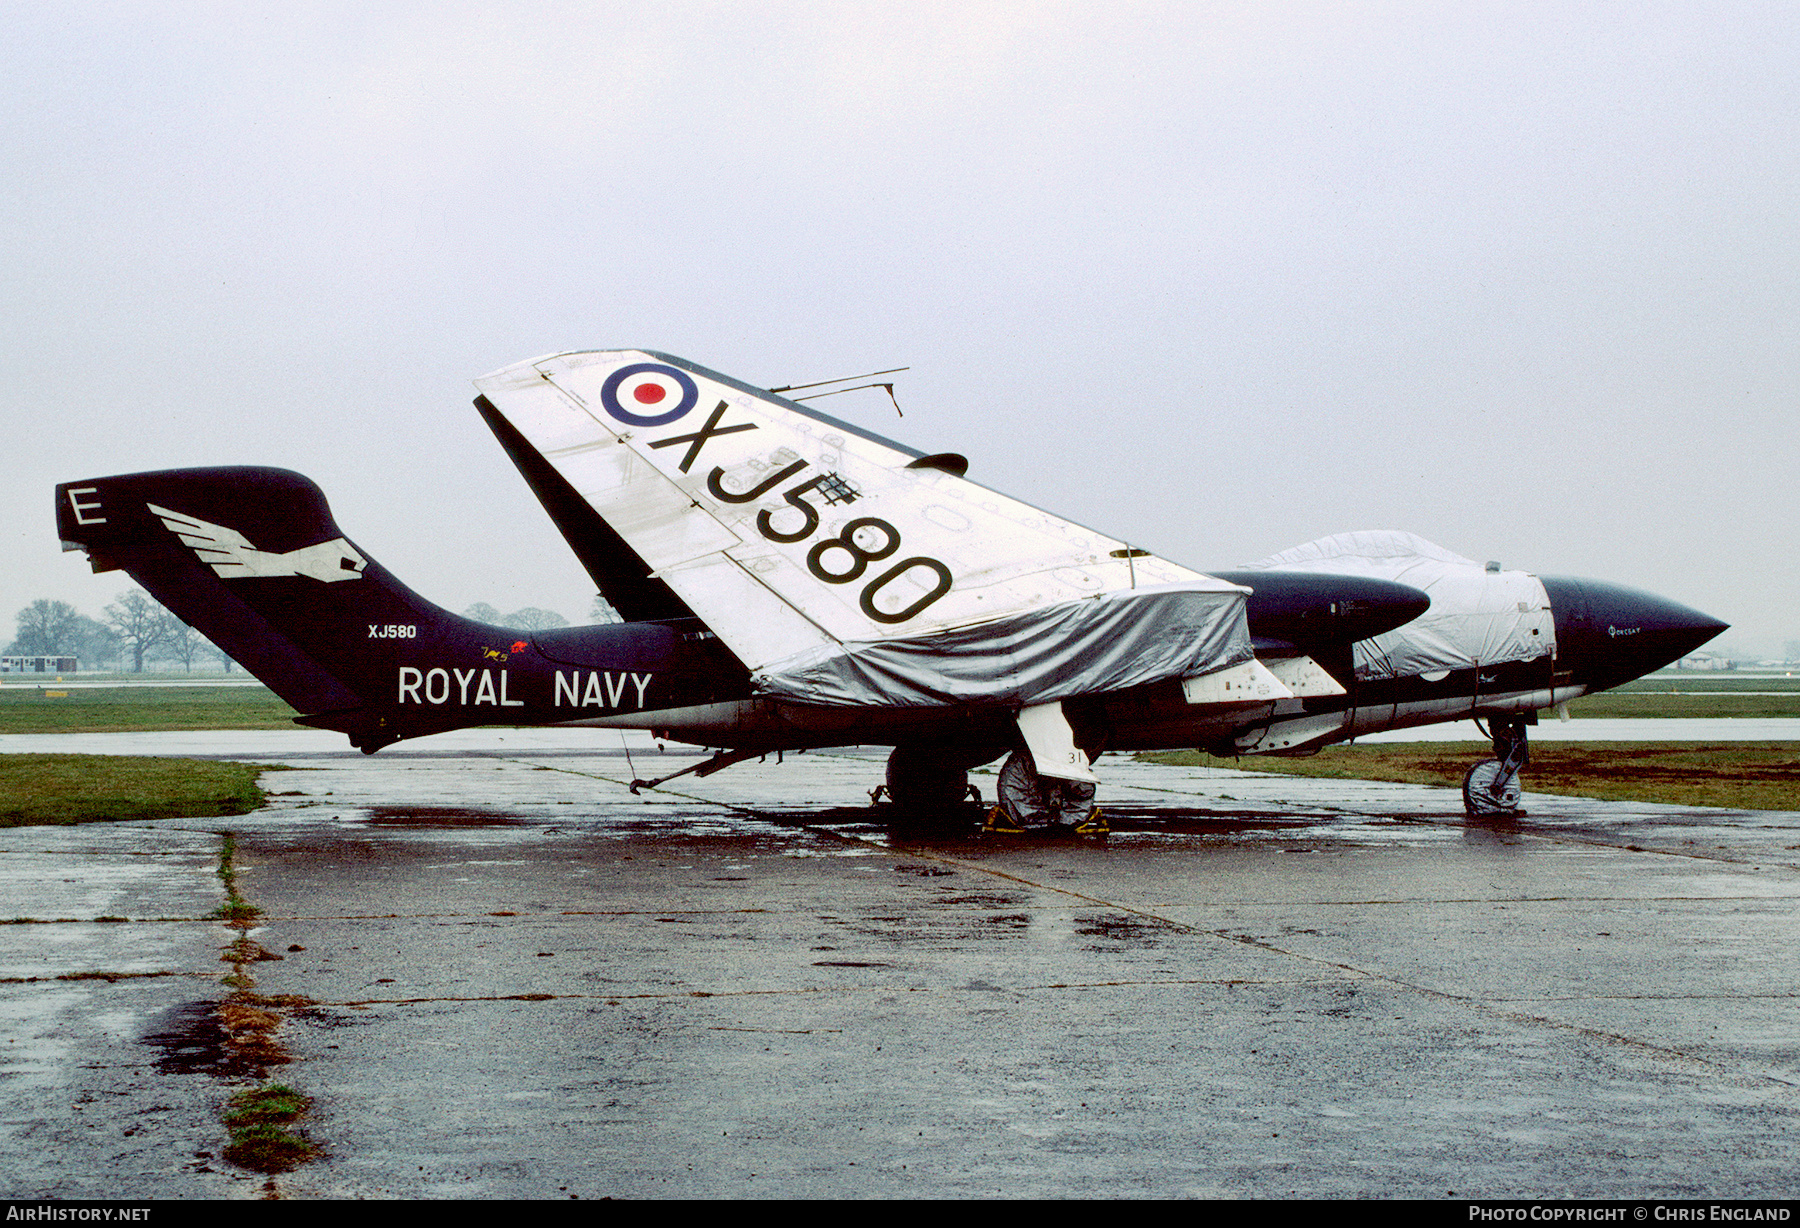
603, 611
482, 612
57, 629
138, 622
225, 661
180, 641
533, 619
96, 643
48, 629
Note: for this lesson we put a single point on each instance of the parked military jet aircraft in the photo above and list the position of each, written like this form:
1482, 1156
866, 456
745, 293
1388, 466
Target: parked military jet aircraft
792, 581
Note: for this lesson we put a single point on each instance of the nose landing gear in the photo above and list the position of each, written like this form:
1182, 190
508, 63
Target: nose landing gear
1491, 787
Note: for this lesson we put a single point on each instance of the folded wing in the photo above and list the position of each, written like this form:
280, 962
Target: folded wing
843, 568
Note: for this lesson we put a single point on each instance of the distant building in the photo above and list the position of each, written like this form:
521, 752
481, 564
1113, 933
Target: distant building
1706, 660
37, 665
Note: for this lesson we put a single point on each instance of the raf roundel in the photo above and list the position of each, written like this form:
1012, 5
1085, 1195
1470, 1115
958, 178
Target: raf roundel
648, 394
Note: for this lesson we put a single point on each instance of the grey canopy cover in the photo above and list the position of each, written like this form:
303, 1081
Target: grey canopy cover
1477, 617
1103, 643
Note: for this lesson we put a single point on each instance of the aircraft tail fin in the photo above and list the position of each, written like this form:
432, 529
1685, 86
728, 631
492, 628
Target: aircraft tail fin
252, 559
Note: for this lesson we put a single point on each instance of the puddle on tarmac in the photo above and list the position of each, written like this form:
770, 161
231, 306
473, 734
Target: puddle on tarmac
1119, 927
193, 1041
1194, 821
438, 816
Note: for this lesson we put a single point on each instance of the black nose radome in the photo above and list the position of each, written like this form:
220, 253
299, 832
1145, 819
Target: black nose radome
1607, 634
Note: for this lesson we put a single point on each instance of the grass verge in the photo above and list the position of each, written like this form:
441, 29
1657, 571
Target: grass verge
1683, 705
1738, 775
24, 708
65, 789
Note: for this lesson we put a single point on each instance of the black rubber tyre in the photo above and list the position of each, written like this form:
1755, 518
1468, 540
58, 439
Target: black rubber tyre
925, 780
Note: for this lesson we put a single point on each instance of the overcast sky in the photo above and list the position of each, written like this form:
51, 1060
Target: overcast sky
1215, 278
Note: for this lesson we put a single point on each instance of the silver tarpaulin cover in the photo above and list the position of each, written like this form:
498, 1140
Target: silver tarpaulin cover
1477, 617
1105, 643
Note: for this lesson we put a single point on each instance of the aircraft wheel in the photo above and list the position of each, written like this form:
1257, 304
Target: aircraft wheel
1478, 795
925, 779
1031, 800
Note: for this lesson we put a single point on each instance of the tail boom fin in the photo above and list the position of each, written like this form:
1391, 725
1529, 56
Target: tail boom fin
252, 559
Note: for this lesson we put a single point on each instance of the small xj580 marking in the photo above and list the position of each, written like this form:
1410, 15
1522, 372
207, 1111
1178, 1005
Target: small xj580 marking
393, 631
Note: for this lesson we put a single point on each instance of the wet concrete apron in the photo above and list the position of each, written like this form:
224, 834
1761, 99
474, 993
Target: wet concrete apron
513, 978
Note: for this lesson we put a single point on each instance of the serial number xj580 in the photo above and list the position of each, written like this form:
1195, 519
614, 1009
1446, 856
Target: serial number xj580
790, 581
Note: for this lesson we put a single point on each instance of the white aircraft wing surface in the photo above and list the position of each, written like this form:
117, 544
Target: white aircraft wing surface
843, 568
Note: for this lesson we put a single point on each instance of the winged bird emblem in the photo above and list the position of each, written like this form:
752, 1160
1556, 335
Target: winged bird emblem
231, 555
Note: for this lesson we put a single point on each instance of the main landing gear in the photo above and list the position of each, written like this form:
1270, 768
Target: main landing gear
1492, 786
1028, 799
930, 783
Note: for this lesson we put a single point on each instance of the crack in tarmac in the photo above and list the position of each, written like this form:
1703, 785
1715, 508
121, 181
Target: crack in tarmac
813, 990
248, 1022
108, 977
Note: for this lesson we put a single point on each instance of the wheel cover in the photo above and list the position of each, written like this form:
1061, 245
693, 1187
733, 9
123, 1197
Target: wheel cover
1478, 794
1021, 792
1031, 800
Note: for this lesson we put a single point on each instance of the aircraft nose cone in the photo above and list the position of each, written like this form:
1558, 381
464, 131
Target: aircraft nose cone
1607, 633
